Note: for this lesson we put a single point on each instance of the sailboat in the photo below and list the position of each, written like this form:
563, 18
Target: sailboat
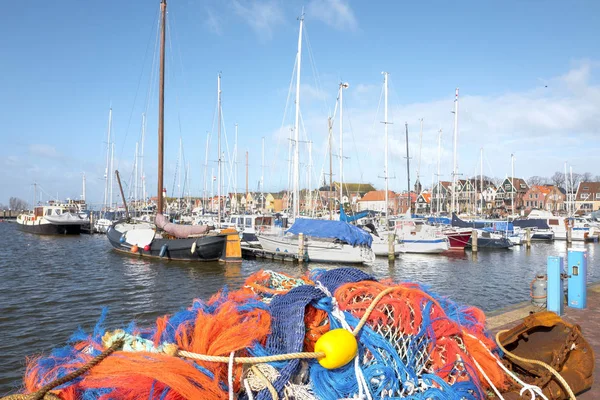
324, 240
163, 239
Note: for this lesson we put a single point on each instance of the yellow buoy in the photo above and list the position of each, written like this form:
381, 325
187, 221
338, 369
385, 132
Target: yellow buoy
134, 249
339, 346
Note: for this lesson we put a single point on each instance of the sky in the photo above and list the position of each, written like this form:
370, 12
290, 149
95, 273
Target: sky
528, 73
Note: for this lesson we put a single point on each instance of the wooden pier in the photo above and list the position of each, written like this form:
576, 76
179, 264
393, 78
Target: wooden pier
249, 252
588, 319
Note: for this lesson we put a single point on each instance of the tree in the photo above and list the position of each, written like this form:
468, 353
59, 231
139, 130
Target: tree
587, 177
558, 179
17, 204
597, 178
537, 180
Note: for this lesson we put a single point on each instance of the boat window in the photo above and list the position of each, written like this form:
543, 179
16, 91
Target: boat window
248, 222
57, 211
48, 211
552, 222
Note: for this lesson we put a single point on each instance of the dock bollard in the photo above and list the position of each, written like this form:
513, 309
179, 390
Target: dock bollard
301, 247
528, 237
391, 247
555, 291
577, 281
569, 234
474, 241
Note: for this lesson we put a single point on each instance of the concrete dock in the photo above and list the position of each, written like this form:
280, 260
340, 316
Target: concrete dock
588, 319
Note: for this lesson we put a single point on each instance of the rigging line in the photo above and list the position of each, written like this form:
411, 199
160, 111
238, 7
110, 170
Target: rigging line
313, 65
355, 148
227, 152
153, 70
136, 93
172, 27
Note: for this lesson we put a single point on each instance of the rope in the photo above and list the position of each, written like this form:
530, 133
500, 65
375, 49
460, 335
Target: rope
43, 392
541, 363
282, 357
263, 378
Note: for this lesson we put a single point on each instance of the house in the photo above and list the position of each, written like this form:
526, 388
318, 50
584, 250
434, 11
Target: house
375, 201
423, 203
587, 197
510, 192
280, 201
465, 195
441, 195
488, 196
544, 197
403, 201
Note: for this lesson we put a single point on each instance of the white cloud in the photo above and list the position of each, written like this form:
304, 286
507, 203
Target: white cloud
543, 127
213, 22
43, 150
262, 16
336, 13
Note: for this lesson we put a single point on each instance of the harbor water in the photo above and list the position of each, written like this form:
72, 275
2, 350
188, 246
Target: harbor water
50, 286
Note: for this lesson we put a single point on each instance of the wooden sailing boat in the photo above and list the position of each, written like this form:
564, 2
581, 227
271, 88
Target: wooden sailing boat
164, 239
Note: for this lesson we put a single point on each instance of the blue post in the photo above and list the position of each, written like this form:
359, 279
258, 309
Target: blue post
577, 284
555, 300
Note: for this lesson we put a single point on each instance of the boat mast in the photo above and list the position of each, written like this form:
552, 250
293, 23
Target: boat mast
246, 174
135, 185
235, 170
385, 124
567, 191
106, 171
262, 175
112, 162
219, 146
420, 146
342, 87
206, 168
512, 181
161, 106
330, 201
481, 181
439, 193
142, 176
179, 168
83, 189
296, 195
455, 144
309, 177
408, 169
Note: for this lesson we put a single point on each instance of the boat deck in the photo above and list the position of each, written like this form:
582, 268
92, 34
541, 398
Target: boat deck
588, 319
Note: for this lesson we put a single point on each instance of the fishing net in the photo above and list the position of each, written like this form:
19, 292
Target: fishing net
414, 344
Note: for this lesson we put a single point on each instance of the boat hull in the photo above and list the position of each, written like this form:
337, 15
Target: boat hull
458, 240
50, 229
491, 243
423, 246
207, 248
318, 251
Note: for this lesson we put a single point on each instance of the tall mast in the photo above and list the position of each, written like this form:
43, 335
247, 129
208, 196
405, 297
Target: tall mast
142, 176
385, 123
512, 181
106, 171
206, 167
135, 185
296, 195
420, 146
330, 202
262, 175
567, 191
212, 189
219, 147
235, 170
342, 87
455, 144
112, 162
83, 189
408, 169
179, 168
481, 181
309, 176
161, 106
439, 192
246, 174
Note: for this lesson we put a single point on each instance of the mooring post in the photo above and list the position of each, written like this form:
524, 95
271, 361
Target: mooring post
569, 233
474, 241
301, 247
528, 237
555, 291
391, 246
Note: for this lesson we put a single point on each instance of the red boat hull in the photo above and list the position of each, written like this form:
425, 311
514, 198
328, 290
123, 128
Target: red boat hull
458, 240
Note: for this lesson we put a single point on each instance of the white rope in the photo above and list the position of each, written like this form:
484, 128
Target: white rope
531, 389
337, 313
494, 388
248, 390
230, 375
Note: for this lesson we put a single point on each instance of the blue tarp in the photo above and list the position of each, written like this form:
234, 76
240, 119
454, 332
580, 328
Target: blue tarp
322, 228
355, 217
531, 223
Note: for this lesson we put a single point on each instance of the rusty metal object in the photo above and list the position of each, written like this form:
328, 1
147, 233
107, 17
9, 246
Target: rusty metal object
546, 337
